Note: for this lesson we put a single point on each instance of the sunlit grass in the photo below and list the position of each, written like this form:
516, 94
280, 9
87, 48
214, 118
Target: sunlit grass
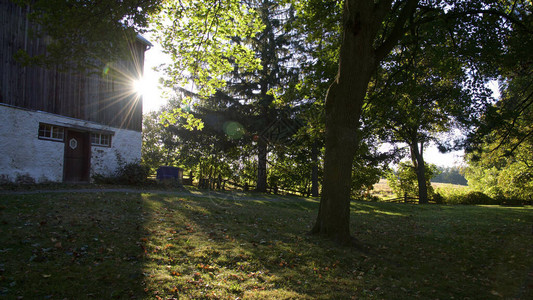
384, 192
448, 190
147, 246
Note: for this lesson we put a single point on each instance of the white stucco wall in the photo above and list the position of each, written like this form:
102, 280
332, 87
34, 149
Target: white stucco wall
125, 147
23, 153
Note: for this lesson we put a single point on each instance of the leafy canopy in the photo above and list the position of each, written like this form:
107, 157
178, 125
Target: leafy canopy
205, 41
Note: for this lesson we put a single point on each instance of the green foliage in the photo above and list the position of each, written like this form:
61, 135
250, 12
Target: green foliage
478, 198
454, 175
404, 181
208, 152
155, 149
506, 177
367, 169
438, 198
205, 41
449, 191
178, 114
128, 174
470, 198
133, 174
500, 163
240, 55
291, 169
500, 160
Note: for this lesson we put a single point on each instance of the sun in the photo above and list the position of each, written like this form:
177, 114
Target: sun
146, 88
141, 86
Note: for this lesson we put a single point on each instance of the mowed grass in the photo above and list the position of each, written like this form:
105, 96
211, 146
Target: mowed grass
148, 246
382, 189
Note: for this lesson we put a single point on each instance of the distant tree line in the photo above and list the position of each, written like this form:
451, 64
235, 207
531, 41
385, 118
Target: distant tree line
454, 175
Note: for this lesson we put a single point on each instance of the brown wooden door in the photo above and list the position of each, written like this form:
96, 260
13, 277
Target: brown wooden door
77, 157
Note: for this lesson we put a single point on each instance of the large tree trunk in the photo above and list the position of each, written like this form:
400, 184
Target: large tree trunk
358, 59
343, 108
417, 158
261, 166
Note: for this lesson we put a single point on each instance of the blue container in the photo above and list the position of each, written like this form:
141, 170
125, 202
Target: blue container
165, 172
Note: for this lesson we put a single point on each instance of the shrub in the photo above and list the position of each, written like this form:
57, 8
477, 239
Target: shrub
512, 201
130, 174
438, 198
368, 197
133, 173
479, 198
471, 198
102, 179
4, 179
24, 179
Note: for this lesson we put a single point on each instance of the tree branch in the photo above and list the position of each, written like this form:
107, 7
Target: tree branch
498, 13
398, 30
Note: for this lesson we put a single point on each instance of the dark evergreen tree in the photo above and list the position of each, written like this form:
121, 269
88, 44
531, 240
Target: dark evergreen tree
250, 94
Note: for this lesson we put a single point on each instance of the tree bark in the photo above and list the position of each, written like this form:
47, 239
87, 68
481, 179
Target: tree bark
358, 59
344, 101
417, 158
267, 50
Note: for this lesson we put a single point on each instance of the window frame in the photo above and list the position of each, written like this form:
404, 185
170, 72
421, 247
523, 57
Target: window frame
49, 131
100, 137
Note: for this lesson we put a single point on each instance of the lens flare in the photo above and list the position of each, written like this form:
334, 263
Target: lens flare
233, 129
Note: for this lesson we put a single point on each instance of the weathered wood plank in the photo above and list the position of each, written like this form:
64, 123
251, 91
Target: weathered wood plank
93, 96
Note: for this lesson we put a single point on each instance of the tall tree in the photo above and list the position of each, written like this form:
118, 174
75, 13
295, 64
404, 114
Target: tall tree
318, 28
239, 68
419, 94
500, 161
272, 47
370, 31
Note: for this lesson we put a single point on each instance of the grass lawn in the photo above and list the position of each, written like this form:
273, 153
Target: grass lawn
382, 189
156, 246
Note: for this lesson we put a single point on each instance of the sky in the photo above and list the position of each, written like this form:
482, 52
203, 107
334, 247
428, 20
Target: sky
150, 86
153, 100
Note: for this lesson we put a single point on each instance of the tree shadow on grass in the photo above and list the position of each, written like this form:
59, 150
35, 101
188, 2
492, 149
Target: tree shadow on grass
71, 246
259, 249
119, 245
246, 249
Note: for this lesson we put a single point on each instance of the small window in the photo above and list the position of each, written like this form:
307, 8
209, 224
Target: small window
101, 139
51, 132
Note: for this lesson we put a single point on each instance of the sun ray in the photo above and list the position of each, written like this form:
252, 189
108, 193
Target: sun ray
124, 87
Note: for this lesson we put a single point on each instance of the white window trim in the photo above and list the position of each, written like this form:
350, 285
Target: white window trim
53, 128
99, 138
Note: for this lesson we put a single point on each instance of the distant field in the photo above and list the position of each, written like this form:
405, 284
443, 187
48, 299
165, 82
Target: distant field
382, 189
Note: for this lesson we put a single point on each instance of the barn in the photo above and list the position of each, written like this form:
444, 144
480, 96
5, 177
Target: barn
58, 126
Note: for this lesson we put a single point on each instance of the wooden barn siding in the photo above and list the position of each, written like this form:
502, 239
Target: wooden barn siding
103, 98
